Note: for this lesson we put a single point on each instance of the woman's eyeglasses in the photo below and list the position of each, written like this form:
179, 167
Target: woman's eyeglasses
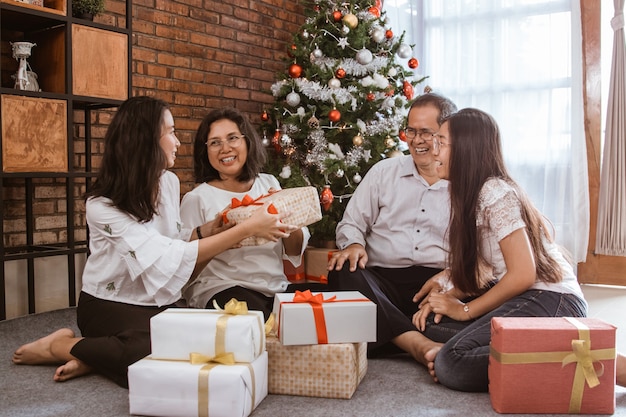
233, 141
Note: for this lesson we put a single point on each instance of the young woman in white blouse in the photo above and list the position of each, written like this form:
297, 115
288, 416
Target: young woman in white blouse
141, 256
495, 228
228, 158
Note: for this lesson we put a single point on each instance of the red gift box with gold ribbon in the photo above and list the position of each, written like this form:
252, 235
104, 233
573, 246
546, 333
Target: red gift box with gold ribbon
552, 365
306, 318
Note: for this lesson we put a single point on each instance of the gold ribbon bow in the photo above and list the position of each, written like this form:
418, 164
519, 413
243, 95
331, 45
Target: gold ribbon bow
233, 307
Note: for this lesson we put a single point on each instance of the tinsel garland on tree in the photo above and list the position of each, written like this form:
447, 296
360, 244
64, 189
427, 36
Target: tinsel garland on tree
341, 104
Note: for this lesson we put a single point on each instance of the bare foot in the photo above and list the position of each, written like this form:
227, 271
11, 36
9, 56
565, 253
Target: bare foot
72, 369
430, 357
39, 352
421, 348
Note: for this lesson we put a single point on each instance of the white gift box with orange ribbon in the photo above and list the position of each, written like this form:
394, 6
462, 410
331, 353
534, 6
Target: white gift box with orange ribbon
552, 365
302, 204
177, 332
181, 389
305, 318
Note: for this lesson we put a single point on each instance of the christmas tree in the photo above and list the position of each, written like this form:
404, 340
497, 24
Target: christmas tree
341, 103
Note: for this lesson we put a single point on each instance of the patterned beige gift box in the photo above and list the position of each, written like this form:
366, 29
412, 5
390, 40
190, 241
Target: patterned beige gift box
302, 204
329, 371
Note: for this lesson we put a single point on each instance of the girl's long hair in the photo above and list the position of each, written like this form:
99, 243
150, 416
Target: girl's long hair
476, 156
133, 160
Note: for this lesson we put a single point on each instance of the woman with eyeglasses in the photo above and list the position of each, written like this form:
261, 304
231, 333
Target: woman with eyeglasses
228, 158
141, 255
493, 226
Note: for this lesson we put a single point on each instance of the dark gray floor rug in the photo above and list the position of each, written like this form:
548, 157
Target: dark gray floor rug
392, 387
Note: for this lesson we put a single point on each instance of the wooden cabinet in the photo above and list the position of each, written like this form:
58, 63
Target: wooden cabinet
81, 67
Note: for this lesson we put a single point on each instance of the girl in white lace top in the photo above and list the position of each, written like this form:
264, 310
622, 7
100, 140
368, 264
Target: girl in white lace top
503, 260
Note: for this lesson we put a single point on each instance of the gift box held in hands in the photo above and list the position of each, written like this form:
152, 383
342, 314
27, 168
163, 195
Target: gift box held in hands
304, 318
329, 371
177, 332
552, 365
184, 389
302, 204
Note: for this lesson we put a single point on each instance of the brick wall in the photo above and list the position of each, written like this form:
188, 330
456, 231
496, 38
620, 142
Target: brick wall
196, 55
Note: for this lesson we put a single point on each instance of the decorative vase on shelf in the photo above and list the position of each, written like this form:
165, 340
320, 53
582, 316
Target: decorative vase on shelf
25, 78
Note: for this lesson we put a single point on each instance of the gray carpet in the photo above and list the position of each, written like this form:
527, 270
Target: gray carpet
392, 387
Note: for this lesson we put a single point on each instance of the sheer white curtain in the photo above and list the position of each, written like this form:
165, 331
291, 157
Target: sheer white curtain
521, 61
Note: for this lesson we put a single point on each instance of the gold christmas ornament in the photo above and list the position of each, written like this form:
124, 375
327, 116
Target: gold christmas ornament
350, 20
389, 142
357, 140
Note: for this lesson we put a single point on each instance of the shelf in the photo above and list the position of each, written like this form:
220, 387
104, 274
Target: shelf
49, 6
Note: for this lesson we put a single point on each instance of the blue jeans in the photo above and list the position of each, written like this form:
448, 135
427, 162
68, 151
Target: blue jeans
462, 362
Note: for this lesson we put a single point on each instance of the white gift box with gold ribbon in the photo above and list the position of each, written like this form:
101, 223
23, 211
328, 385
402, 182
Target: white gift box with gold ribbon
181, 389
306, 318
177, 332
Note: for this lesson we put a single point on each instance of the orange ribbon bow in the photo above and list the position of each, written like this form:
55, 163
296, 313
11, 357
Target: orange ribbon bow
247, 201
316, 302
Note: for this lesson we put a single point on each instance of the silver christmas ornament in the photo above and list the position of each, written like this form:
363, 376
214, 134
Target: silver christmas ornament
378, 35
357, 178
334, 83
293, 99
404, 51
364, 56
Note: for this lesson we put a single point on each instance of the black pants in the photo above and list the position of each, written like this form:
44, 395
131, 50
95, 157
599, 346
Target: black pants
116, 335
392, 290
257, 301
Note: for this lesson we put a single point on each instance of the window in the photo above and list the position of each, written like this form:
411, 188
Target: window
519, 60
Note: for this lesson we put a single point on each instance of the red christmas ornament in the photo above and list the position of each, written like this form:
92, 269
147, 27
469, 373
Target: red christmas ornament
334, 115
413, 63
337, 15
374, 10
402, 135
295, 71
264, 116
370, 97
407, 89
276, 140
316, 7
388, 34
340, 73
326, 198
390, 92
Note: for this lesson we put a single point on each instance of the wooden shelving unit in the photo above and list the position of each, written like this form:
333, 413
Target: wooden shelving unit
81, 66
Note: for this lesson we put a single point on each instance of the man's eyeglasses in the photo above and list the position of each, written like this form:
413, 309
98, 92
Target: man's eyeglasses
233, 141
423, 134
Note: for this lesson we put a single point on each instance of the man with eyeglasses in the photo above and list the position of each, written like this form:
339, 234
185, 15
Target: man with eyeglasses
393, 232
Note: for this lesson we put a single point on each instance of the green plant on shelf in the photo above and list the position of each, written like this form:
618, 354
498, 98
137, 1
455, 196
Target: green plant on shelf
87, 8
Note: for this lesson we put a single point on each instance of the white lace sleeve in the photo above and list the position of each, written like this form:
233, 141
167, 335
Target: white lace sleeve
499, 209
